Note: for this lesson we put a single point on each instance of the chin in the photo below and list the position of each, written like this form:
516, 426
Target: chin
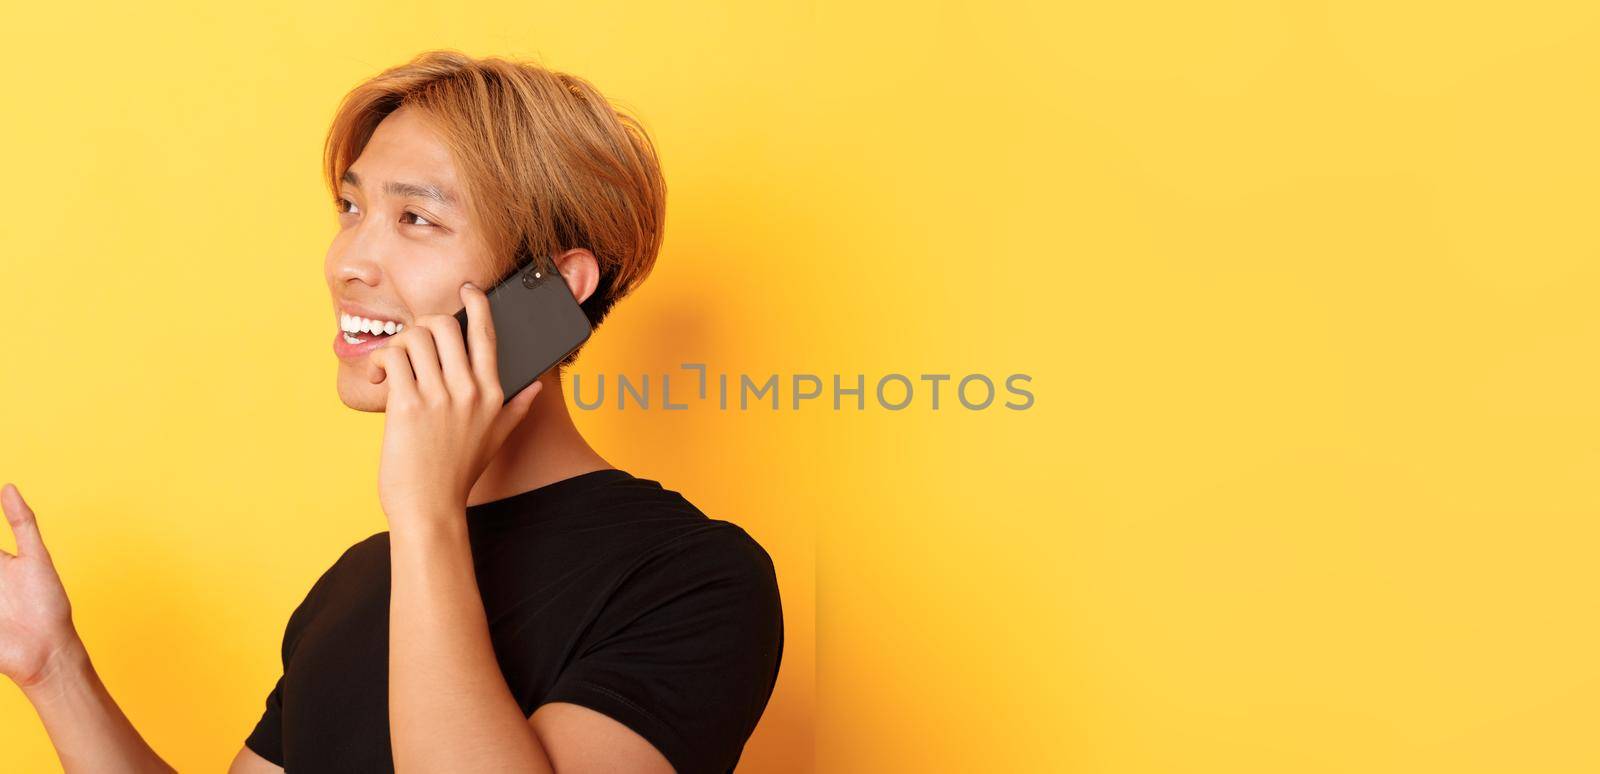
358, 393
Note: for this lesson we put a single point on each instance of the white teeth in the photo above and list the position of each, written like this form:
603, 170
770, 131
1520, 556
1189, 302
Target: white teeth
351, 323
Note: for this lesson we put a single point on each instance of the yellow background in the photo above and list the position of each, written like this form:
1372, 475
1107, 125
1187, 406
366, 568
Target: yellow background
1305, 290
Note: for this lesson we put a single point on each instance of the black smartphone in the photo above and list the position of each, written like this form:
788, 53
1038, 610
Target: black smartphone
537, 322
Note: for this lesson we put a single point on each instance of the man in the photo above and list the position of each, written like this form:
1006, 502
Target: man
531, 607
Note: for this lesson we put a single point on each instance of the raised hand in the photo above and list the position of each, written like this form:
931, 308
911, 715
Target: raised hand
40, 650
35, 616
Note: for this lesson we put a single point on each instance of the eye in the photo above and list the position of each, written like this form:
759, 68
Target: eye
424, 222
339, 204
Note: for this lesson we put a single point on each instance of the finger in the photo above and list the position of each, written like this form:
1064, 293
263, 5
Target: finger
424, 357
481, 340
390, 364
457, 372
23, 524
513, 413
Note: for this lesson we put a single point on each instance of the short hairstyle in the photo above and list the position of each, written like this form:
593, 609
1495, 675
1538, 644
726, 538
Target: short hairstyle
549, 163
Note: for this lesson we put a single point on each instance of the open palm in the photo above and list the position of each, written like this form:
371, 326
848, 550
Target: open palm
35, 616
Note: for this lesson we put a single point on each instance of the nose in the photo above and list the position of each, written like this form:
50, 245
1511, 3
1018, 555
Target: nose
354, 256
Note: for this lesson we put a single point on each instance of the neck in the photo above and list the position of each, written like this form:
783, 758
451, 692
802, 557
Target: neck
545, 448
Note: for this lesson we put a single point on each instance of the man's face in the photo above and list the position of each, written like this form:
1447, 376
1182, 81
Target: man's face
400, 253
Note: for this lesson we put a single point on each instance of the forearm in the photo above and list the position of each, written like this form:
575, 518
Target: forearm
449, 707
88, 729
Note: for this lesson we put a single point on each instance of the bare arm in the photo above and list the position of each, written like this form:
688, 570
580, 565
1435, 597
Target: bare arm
247, 762
40, 651
449, 706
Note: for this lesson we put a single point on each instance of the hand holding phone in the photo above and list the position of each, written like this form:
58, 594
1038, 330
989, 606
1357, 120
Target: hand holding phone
537, 322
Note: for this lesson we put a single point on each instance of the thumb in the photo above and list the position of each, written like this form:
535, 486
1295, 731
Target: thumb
23, 525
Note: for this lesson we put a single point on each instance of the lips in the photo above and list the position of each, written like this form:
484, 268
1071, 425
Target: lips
347, 351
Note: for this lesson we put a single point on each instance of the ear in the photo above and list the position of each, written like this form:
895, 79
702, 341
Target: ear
581, 270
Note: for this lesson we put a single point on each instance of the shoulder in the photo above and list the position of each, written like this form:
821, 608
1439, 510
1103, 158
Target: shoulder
709, 580
355, 559
714, 548
366, 559
362, 558
661, 547
689, 538
654, 525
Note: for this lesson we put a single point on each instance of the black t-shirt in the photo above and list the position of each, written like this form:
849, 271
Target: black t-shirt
603, 590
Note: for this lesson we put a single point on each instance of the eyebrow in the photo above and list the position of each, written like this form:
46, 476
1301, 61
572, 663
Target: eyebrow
416, 190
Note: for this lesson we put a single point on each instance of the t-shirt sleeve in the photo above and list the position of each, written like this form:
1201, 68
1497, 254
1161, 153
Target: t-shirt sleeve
687, 649
266, 739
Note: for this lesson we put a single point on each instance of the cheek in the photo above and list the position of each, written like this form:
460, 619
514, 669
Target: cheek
429, 289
